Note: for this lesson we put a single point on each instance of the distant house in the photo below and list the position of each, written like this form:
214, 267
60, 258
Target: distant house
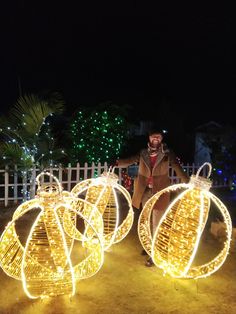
202, 150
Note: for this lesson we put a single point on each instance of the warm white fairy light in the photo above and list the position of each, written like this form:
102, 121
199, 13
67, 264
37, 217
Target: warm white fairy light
174, 244
44, 264
102, 192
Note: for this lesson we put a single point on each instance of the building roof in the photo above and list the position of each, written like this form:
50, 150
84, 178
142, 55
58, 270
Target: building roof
209, 126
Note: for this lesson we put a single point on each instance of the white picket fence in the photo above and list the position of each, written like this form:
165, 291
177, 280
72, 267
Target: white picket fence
15, 186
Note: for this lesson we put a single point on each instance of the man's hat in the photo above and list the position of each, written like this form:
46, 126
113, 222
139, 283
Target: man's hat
157, 130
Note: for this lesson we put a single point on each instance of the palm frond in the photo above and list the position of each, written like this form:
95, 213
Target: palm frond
30, 111
28, 125
54, 100
14, 154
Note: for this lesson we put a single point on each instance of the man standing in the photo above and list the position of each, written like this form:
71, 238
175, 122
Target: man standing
153, 175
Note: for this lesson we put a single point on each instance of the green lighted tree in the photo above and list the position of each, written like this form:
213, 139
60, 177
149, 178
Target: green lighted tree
99, 134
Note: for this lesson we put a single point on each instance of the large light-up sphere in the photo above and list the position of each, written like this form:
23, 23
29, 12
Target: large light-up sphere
175, 242
105, 193
44, 262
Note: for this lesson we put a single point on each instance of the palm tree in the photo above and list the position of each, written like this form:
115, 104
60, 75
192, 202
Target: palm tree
26, 134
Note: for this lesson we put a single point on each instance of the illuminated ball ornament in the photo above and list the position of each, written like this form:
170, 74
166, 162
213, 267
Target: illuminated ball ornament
174, 244
104, 193
44, 263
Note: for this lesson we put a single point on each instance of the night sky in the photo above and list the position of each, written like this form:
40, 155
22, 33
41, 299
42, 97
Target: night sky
134, 54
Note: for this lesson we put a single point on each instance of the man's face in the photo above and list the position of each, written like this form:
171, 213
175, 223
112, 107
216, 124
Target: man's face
155, 139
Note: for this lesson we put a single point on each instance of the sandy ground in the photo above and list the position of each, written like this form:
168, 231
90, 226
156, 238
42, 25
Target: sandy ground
125, 285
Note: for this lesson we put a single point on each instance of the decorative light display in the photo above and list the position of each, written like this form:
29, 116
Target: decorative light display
127, 180
28, 132
174, 244
44, 263
97, 136
103, 193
